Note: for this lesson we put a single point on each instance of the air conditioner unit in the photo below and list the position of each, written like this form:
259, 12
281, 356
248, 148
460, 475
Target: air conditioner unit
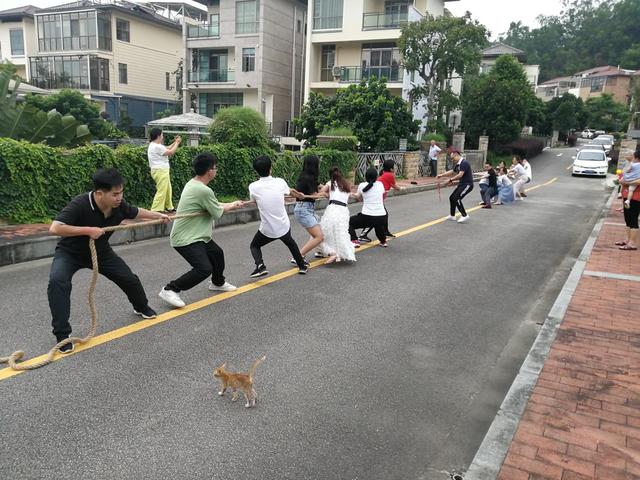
337, 71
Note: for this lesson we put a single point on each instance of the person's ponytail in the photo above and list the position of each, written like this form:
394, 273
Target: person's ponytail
370, 176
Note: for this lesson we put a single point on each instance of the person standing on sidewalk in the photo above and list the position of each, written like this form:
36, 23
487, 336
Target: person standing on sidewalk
192, 237
85, 217
434, 151
461, 172
631, 213
158, 156
269, 193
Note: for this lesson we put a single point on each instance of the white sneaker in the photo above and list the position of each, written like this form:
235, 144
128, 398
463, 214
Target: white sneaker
171, 297
463, 219
452, 218
225, 287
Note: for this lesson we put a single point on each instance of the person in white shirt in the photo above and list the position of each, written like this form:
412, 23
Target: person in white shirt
434, 151
520, 176
373, 214
527, 169
269, 194
158, 156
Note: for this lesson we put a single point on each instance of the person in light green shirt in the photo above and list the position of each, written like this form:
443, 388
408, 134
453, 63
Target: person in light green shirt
192, 237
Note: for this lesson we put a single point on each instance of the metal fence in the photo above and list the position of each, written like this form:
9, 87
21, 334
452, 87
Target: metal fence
366, 160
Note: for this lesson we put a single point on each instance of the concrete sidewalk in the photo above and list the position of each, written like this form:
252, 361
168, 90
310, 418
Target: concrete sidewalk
582, 416
22, 243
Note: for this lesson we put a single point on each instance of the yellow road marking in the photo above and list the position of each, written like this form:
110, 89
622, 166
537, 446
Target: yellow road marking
192, 307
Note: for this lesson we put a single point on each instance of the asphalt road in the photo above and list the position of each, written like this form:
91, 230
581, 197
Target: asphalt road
392, 368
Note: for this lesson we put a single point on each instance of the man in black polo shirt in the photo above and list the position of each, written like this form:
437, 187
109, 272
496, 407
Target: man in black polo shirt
86, 216
461, 171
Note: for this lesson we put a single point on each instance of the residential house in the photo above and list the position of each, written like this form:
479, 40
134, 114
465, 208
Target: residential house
17, 37
351, 40
116, 52
491, 54
557, 87
607, 79
249, 53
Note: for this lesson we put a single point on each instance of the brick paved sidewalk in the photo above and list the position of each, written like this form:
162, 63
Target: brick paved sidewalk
582, 420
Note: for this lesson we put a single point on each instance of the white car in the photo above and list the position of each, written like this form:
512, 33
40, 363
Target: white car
591, 162
607, 143
587, 133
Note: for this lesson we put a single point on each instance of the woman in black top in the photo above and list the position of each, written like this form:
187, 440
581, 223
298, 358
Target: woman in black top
304, 210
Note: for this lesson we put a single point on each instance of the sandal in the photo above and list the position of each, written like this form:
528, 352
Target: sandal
621, 243
628, 247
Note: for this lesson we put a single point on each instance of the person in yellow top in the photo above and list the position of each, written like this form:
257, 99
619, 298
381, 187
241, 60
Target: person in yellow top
158, 156
192, 237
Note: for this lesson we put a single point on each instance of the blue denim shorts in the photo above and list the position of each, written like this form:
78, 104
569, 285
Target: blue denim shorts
305, 214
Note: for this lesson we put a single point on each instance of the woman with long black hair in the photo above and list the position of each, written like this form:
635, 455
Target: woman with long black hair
373, 214
304, 210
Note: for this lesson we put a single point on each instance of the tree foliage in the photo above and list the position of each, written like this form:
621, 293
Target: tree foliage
497, 103
72, 102
435, 48
377, 118
241, 127
25, 122
604, 113
586, 33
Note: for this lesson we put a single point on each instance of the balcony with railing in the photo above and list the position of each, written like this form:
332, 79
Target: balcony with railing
382, 20
356, 74
211, 76
204, 30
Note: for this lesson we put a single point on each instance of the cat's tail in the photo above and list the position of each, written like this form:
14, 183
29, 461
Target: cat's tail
254, 365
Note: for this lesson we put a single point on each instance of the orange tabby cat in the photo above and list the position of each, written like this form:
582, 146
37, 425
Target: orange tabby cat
235, 381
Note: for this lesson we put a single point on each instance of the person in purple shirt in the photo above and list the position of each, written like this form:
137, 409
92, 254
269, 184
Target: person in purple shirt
462, 173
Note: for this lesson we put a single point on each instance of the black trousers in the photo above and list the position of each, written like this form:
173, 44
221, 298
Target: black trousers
260, 240
631, 214
65, 265
378, 223
207, 260
456, 197
434, 166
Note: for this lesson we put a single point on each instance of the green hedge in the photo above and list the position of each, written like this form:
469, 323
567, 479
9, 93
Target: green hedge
37, 181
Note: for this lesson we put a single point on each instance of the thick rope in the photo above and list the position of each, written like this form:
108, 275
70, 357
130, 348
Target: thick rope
13, 360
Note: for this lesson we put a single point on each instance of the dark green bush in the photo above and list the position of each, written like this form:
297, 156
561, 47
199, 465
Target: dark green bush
37, 181
345, 144
241, 127
438, 137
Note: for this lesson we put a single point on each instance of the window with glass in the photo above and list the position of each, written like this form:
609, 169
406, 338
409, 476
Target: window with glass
327, 62
122, 30
122, 73
17, 42
327, 14
247, 19
597, 84
211, 66
67, 31
104, 31
167, 80
70, 71
381, 60
248, 59
211, 103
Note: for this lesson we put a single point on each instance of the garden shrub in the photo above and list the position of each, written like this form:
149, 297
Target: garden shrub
242, 127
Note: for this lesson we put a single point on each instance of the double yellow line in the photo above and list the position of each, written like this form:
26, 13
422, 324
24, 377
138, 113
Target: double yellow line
192, 307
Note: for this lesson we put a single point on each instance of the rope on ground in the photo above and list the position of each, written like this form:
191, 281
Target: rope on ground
14, 360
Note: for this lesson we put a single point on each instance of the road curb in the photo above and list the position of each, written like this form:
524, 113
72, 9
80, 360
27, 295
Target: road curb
43, 246
490, 456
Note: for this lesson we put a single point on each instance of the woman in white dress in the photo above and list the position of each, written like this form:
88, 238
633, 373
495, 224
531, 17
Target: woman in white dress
335, 221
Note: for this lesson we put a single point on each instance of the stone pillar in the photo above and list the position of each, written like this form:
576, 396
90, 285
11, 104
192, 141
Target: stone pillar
410, 165
554, 138
483, 144
458, 141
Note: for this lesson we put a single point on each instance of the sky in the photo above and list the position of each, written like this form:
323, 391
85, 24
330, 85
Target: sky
496, 15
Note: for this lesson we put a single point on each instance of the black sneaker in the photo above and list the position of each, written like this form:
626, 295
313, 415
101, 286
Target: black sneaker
259, 271
389, 235
293, 262
146, 312
303, 271
67, 348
